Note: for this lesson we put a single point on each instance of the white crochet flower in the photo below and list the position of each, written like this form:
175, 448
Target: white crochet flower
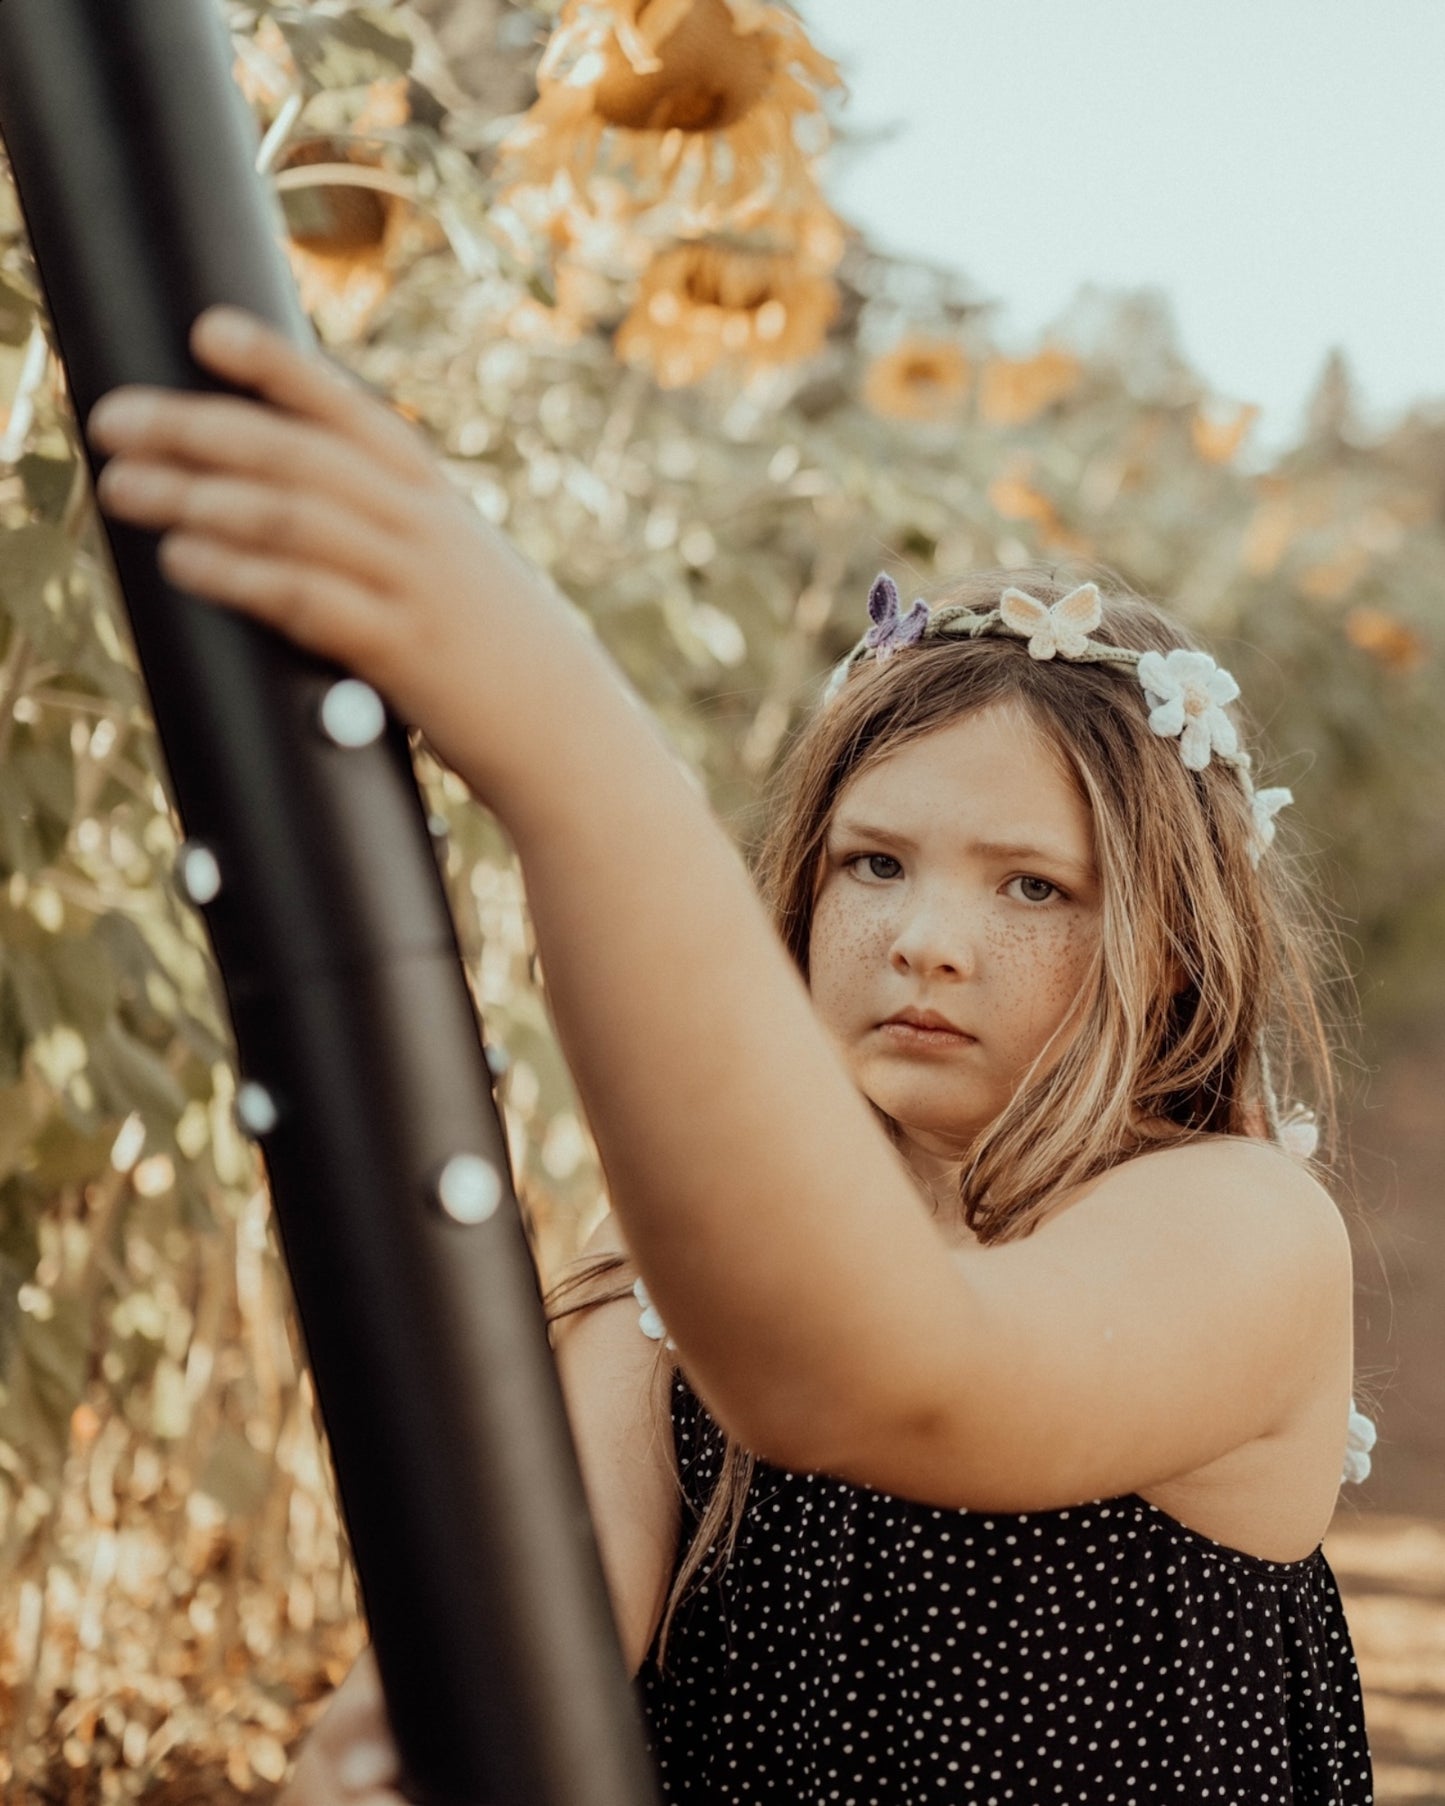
649, 1322
1266, 804
1186, 692
1361, 1441
1065, 627
837, 677
1299, 1134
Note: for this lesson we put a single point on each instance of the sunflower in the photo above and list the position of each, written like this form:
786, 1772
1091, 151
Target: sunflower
713, 104
702, 304
1216, 440
580, 298
1013, 391
921, 378
599, 231
588, 248
1386, 638
345, 231
813, 232
1332, 578
1014, 497
265, 70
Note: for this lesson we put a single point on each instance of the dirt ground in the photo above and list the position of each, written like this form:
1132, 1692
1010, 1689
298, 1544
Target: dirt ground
1387, 1542
1391, 1570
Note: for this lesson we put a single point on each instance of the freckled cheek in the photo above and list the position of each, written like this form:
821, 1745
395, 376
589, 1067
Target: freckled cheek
845, 945
1068, 975
1040, 965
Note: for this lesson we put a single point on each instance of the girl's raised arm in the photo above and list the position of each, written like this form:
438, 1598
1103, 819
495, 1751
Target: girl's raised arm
817, 1310
768, 1214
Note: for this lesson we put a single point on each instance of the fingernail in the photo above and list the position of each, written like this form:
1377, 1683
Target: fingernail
229, 328
115, 414
366, 1764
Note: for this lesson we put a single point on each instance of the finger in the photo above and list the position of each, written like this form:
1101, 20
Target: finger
367, 1764
356, 1708
291, 523
326, 613
320, 1787
222, 432
248, 350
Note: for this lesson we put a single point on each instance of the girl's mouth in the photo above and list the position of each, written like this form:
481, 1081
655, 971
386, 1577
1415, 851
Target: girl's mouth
915, 1036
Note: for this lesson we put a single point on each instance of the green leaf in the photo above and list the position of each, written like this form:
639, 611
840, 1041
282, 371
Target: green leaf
17, 313
35, 556
19, 1119
126, 948
46, 776
101, 650
128, 1076
210, 1049
36, 997
21, 845
72, 1148
234, 1474
13, 1275
45, 1379
19, 1235
348, 52
12, 1032
85, 982
48, 483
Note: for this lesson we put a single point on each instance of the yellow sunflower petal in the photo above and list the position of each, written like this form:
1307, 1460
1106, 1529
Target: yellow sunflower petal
1014, 391
699, 304
1216, 440
921, 378
651, 77
1385, 637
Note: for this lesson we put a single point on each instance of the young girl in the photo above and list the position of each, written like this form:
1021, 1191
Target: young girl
962, 1381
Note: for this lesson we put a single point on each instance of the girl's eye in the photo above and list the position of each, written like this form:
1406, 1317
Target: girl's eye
1040, 881
873, 861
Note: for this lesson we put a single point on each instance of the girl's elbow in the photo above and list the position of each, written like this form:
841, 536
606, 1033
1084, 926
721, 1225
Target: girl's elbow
835, 1435
780, 1424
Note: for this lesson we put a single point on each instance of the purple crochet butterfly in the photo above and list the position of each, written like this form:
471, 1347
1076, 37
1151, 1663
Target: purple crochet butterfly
891, 628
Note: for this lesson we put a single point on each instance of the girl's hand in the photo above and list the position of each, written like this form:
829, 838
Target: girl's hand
349, 1759
326, 517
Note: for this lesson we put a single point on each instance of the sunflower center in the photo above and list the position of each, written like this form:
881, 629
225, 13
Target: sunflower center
334, 220
712, 75
734, 281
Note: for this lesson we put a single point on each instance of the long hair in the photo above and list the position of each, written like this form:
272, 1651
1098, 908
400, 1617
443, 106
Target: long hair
1205, 1009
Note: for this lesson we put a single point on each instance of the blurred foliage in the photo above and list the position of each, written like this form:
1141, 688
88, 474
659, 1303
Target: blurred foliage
647, 349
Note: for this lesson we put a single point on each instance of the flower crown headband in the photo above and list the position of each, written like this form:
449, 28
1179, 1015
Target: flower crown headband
1185, 691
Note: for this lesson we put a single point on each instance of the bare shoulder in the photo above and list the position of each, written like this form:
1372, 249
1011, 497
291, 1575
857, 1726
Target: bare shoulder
1184, 1304
1217, 1184
1273, 1494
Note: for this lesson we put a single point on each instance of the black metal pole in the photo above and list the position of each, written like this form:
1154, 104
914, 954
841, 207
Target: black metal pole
365, 1081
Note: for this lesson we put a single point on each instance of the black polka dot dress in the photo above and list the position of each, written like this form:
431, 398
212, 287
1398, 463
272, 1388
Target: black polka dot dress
862, 1649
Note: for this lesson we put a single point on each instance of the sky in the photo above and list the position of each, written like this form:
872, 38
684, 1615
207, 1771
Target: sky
1275, 167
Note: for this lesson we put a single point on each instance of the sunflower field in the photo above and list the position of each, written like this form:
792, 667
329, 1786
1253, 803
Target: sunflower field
587, 246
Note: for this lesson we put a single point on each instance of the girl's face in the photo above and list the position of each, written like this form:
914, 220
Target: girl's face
929, 906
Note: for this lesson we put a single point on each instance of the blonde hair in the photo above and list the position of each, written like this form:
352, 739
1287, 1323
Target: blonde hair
1213, 972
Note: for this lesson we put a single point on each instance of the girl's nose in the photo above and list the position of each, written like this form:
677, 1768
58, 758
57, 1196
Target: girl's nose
931, 940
